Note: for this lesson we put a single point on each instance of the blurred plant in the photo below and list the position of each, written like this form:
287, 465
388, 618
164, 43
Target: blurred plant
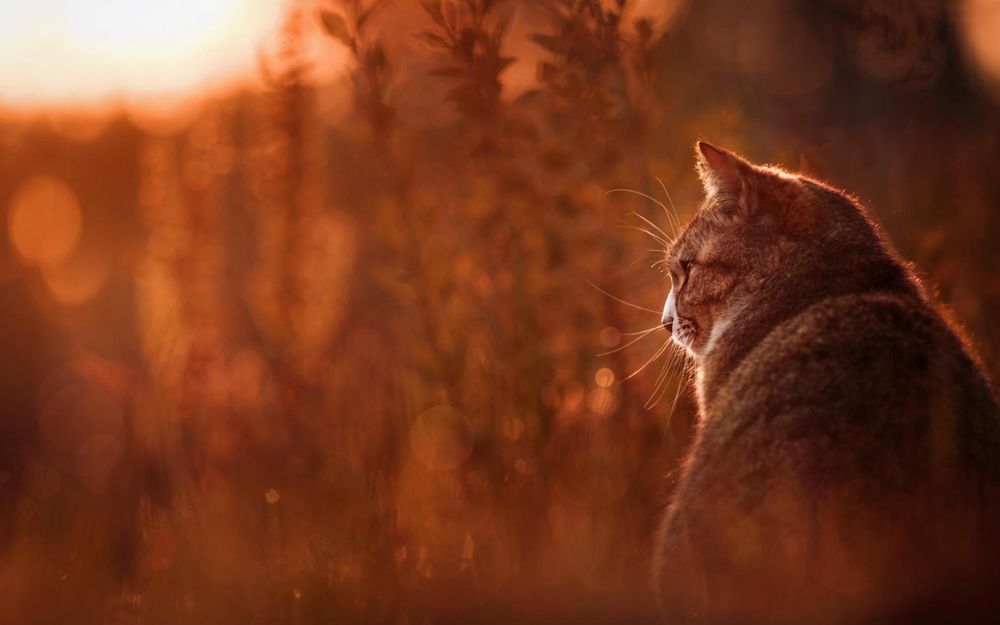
351, 26
471, 34
370, 360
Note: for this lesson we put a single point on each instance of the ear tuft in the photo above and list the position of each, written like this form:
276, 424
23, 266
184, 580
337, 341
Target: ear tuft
720, 169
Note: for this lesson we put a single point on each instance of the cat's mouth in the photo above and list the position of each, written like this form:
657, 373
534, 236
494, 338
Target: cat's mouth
683, 332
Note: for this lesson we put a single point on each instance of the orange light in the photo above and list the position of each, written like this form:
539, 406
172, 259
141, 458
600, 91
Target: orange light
44, 220
77, 281
77, 51
979, 21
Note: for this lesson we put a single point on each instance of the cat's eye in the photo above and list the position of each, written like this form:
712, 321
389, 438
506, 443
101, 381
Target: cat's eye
685, 270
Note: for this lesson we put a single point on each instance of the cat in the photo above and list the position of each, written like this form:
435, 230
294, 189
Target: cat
846, 463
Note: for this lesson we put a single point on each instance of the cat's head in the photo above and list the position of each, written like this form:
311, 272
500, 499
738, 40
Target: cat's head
761, 237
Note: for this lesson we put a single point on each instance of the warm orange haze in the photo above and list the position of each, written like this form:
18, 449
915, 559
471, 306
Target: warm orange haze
78, 52
349, 310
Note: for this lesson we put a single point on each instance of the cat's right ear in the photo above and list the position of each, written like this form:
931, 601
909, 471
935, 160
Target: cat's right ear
723, 174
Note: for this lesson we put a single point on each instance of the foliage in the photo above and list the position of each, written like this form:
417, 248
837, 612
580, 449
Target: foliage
362, 370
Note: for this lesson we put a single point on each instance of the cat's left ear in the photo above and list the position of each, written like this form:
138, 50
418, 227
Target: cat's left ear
724, 175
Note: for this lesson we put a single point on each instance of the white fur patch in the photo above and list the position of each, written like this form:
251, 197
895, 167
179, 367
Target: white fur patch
718, 328
669, 309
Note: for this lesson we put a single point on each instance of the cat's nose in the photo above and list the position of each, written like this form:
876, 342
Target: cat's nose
667, 318
668, 323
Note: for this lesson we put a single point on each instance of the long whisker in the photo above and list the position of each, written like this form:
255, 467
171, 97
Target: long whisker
669, 199
652, 225
652, 329
656, 237
620, 300
641, 194
661, 381
628, 344
686, 373
658, 353
680, 386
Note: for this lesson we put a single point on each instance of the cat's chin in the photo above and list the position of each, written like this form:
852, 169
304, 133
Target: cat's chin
685, 342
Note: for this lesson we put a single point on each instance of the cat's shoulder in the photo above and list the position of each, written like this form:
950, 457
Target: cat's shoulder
846, 325
844, 345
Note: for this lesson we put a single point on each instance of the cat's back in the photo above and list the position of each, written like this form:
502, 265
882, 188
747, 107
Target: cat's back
860, 443
887, 364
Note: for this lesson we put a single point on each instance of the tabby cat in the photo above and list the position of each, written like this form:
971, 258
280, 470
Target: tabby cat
846, 464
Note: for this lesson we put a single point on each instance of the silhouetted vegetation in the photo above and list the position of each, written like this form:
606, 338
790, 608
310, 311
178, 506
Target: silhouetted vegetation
297, 367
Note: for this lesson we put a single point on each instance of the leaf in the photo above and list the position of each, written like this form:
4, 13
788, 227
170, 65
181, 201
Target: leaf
375, 57
369, 12
548, 42
644, 28
546, 71
501, 26
450, 12
433, 39
467, 41
433, 8
335, 26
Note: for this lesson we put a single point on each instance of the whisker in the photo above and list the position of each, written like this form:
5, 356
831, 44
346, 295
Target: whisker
660, 388
641, 194
660, 382
658, 353
652, 225
620, 300
630, 343
681, 383
665, 243
673, 405
669, 199
658, 326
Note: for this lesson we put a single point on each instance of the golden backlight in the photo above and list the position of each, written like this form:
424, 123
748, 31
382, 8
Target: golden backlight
71, 52
44, 220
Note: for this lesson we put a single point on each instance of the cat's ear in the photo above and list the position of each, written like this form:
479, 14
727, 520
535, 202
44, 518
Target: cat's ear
723, 174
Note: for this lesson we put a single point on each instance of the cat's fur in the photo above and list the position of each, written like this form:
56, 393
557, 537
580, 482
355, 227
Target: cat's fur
846, 466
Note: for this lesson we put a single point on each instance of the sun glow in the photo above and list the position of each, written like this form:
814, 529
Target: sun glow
73, 52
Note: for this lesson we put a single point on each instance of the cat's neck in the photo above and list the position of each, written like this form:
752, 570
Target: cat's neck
781, 300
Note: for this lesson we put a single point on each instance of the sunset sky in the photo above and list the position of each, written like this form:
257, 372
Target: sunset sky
77, 53
69, 52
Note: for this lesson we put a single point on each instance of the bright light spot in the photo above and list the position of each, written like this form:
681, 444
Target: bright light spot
74, 51
164, 118
604, 377
980, 22
76, 281
272, 496
513, 428
601, 401
44, 220
441, 438
81, 124
610, 336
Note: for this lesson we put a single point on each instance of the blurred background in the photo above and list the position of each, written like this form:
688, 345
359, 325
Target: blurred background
336, 311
